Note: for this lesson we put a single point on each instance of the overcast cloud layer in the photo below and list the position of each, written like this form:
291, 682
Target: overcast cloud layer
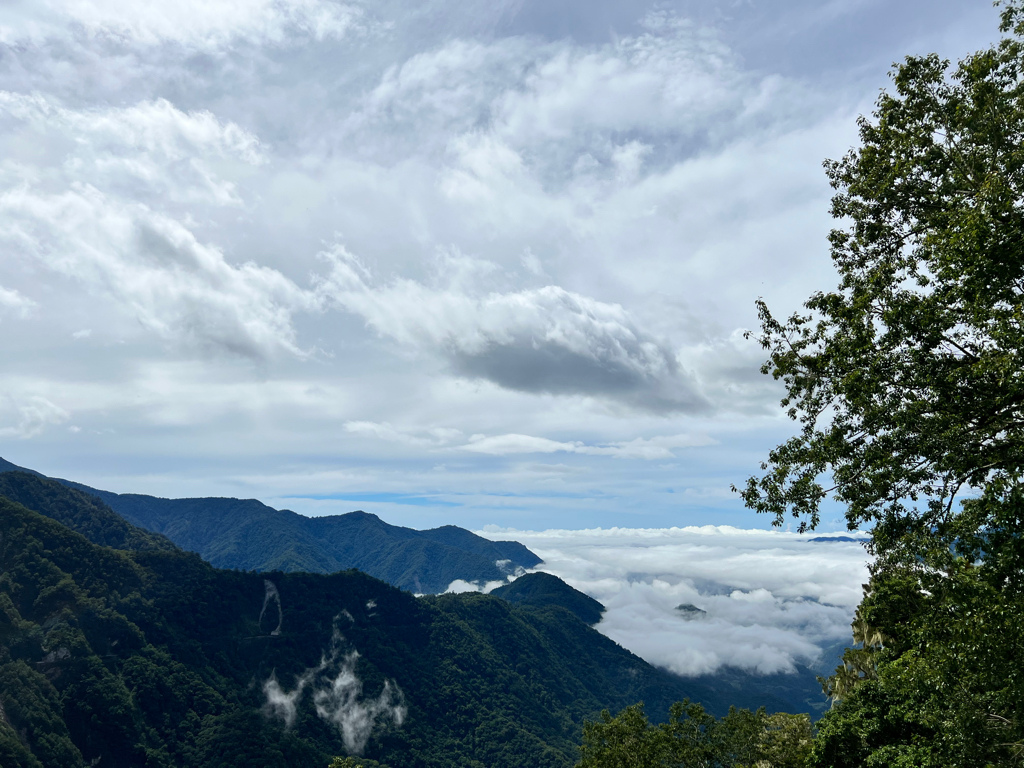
770, 600
473, 263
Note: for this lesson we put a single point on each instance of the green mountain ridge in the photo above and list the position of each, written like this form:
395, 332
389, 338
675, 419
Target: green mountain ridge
779, 692
79, 511
245, 534
156, 658
544, 589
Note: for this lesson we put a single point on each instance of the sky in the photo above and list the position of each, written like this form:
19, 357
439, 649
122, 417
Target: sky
480, 263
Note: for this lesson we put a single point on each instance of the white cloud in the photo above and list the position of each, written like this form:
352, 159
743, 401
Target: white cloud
151, 148
280, 703
435, 436
15, 303
537, 340
503, 445
450, 439
337, 693
96, 208
608, 198
771, 599
193, 23
460, 586
33, 415
673, 79
729, 369
638, 448
448, 90
155, 270
155, 126
342, 703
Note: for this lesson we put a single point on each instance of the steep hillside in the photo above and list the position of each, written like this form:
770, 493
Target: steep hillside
78, 511
543, 589
156, 658
245, 534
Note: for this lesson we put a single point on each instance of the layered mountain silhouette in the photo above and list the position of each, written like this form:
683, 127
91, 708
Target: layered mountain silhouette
175, 663
245, 534
152, 657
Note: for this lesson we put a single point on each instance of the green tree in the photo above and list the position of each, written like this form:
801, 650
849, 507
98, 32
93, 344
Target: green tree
908, 379
907, 382
785, 741
945, 688
354, 762
692, 737
627, 740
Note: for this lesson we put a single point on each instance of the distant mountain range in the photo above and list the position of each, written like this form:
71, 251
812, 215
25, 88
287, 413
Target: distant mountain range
835, 539
152, 657
247, 535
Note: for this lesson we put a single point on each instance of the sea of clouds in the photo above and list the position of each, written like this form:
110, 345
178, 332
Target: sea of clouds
771, 599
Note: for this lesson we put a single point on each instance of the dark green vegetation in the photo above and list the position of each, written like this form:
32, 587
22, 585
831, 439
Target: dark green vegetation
692, 737
908, 383
79, 511
935, 680
543, 589
246, 535
354, 762
155, 658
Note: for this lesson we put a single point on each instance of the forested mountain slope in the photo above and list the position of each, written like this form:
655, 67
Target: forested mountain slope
79, 511
156, 658
245, 534
544, 589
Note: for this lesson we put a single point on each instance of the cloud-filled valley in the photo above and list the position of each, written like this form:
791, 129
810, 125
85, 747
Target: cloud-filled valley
766, 600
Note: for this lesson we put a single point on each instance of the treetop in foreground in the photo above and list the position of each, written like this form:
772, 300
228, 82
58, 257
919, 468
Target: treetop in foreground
693, 737
907, 379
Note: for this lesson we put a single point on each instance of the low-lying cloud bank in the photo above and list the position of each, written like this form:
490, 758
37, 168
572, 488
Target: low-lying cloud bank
770, 599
